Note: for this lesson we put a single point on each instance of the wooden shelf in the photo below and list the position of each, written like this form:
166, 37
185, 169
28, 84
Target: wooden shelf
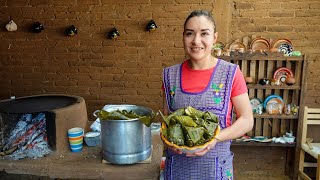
284, 86
280, 116
252, 143
253, 56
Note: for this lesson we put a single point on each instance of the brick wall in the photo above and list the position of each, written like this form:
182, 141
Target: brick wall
128, 70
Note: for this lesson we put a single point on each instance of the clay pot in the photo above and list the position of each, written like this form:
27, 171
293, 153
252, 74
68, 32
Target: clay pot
290, 81
248, 80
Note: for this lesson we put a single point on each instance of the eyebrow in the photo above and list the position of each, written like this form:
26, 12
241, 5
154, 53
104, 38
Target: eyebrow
201, 30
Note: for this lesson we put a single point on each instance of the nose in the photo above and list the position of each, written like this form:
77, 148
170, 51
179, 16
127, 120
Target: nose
196, 39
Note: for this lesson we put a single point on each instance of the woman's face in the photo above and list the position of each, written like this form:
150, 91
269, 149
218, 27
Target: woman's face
198, 38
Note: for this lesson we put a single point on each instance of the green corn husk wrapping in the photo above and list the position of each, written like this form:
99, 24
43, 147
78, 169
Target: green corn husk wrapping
197, 127
124, 115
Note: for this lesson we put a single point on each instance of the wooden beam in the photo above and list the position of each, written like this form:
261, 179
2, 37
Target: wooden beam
222, 13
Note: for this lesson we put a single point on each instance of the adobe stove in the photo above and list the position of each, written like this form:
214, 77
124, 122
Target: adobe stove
58, 112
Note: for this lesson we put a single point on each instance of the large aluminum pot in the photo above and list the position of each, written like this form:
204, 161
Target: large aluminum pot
126, 141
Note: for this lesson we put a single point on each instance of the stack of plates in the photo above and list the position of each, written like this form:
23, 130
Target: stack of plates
260, 44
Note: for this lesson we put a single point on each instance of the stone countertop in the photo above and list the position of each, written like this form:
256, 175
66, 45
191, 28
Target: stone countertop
86, 164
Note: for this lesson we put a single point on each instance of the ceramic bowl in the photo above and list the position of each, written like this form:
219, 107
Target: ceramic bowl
187, 149
92, 138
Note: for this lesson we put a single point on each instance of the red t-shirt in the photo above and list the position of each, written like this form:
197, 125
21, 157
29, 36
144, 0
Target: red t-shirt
197, 80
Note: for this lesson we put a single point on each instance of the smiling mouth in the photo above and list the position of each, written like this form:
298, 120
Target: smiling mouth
196, 48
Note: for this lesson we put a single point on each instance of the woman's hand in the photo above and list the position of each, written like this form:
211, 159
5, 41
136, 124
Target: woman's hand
204, 151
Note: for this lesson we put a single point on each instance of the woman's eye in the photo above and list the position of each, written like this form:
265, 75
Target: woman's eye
204, 33
188, 33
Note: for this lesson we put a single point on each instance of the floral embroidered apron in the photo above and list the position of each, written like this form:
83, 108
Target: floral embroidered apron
217, 163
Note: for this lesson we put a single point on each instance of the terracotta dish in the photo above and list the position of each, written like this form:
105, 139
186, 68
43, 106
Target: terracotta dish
260, 44
237, 46
277, 43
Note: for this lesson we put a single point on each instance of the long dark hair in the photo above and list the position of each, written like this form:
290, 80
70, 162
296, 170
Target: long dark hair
198, 13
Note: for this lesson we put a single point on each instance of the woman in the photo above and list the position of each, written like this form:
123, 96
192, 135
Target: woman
208, 84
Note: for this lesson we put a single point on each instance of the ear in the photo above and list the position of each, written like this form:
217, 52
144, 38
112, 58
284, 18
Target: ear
215, 36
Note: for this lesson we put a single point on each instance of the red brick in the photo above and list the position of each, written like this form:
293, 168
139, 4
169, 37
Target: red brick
244, 5
87, 2
307, 13
17, 3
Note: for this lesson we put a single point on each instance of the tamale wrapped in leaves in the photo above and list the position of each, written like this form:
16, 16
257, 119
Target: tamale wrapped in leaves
184, 121
201, 141
195, 133
188, 140
209, 116
175, 134
178, 112
192, 112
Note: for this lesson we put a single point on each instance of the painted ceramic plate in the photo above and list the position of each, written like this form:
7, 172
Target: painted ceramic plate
187, 149
260, 44
273, 99
255, 102
281, 74
286, 49
256, 105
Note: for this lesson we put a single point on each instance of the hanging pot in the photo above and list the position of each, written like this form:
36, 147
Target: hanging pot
37, 27
71, 31
11, 26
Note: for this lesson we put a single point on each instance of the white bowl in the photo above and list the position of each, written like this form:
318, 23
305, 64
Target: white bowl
92, 138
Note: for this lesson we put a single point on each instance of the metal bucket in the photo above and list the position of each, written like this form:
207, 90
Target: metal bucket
126, 141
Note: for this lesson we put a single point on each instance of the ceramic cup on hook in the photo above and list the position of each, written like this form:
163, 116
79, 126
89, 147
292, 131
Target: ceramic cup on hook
114, 33
11, 26
37, 27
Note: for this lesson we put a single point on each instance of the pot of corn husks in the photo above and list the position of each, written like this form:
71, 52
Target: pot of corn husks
125, 133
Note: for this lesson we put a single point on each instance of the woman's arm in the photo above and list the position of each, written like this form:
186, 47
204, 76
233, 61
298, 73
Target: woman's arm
244, 122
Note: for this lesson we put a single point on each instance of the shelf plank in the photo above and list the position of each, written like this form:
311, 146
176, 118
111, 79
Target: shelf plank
268, 144
256, 56
272, 116
284, 86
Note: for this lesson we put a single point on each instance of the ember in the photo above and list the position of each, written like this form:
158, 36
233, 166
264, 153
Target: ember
27, 139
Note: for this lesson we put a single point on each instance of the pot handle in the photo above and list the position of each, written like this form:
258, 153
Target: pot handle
95, 113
